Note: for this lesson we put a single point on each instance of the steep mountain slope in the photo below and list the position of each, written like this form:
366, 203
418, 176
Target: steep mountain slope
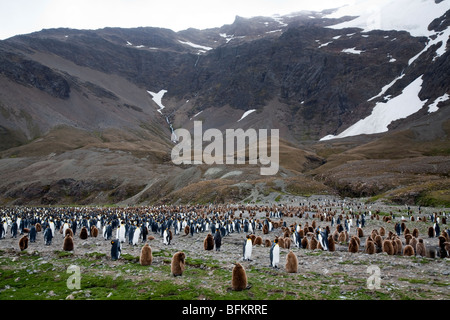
80, 121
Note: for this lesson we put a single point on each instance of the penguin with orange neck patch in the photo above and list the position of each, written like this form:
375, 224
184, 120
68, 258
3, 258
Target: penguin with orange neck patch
275, 254
115, 249
248, 246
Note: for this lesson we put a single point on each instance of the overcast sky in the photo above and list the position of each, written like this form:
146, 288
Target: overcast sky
26, 16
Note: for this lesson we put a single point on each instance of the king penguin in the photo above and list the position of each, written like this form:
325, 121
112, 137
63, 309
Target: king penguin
33, 233
115, 249
323, 238
166, 237
68, 243
275, 254
238, 278
23, 243
178, 264
121, 233
83, 233
218, 240
146, 257
248, 246
208, 243
291, 263
48, 236
136, 236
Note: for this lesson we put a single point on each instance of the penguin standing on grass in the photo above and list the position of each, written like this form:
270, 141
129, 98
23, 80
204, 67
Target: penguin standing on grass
238, 278
115, 249
178, 264
248, 246
275, 254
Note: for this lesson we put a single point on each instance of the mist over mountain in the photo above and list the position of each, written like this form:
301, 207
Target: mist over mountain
361, 99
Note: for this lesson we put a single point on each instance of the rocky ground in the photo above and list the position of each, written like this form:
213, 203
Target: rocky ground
328, 275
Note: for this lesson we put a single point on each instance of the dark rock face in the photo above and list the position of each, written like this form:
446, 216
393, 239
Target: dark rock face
300, 76
302, 65
31, 73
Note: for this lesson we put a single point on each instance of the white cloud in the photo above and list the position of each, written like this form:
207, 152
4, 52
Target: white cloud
25, 16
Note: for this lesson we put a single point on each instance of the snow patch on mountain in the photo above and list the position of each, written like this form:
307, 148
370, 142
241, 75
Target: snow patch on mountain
384, 113
413, 16
441, 37
386, 87
325, 44
193, 45
434, 106
279, 20
157, 97
246, 114
352, 51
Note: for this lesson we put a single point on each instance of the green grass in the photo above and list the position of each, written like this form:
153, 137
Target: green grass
26, 276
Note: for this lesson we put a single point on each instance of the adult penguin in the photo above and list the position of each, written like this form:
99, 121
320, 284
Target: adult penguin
166, 237
437, 229
131, 230
275, 254
74, 226
296, 239
136, 236
33, 233
48, 235
192, 229
144, 232
115, 249
2, 231
323, 238
213, 228
14, 229
108, 232
246, 225
398, 228
248, 246
237, 226
218, 240
121, 233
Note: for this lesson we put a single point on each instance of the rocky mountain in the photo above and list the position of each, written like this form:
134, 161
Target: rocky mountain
362, 108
